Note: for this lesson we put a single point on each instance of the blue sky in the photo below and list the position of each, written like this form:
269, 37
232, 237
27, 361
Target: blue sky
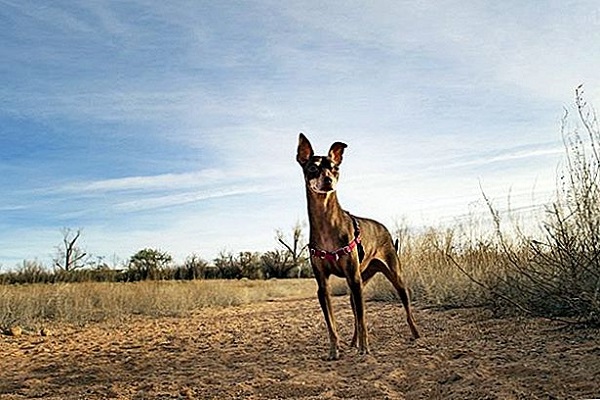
174, 124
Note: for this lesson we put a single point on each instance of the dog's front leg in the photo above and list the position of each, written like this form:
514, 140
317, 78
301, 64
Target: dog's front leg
325, 300
365, 275
354, 341
358, 307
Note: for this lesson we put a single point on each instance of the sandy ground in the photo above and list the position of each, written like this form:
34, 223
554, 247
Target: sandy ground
275, 350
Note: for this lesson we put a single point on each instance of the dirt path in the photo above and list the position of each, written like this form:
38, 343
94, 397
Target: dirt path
275, 350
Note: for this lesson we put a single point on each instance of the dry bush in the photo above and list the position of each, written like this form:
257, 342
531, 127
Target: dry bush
553, 272
556, 273
81, 303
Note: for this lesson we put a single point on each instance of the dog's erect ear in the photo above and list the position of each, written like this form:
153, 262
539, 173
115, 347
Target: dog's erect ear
305, 151
336, 151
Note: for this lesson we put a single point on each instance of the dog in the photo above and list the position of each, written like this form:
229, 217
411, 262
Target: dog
344, 245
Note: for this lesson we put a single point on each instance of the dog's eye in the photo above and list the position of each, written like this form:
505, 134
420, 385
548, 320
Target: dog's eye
312, 168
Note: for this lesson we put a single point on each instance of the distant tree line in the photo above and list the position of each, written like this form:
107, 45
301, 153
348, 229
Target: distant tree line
72, 264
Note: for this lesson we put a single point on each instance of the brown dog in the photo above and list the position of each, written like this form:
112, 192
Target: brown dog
346, 246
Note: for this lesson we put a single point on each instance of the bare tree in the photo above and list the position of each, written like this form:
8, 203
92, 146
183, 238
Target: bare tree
296, 247
69, 255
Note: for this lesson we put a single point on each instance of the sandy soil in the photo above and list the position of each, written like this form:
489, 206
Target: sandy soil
276, 350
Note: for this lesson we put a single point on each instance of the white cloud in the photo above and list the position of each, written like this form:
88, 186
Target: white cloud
510, 155
431, 97
153, 182
145, 203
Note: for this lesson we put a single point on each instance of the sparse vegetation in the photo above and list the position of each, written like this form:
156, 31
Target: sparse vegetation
491, 262
291, 261
553, 272
557, 272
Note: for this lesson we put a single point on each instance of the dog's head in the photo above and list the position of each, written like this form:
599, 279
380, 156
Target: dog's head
321, 173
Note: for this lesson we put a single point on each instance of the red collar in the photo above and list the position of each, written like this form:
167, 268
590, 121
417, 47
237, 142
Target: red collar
333, 256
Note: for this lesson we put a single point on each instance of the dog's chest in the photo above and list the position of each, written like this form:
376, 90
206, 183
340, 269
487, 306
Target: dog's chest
331, 268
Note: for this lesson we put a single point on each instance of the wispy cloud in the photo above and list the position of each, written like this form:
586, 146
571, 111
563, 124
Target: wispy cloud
162, 182
521, 153
159, 192
152, 114
177, 199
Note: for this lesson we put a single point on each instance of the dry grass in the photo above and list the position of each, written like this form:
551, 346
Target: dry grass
32, 306
431, 279
431, 276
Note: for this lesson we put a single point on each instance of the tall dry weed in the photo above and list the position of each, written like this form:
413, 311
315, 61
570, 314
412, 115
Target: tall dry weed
560, 274
555, 272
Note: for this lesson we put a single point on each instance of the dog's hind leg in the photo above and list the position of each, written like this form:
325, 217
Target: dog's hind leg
392, 273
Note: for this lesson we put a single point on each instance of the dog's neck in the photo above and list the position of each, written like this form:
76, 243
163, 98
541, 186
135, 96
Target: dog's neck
327, 220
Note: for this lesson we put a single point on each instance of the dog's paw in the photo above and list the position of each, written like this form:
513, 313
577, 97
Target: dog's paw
334, 355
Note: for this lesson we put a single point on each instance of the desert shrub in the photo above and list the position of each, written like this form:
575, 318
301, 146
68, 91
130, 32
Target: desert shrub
194, 267
277, 264
149, 264
104, 273
555, 272
281, 264
28, 272
227, 267
250, 264
244, 265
